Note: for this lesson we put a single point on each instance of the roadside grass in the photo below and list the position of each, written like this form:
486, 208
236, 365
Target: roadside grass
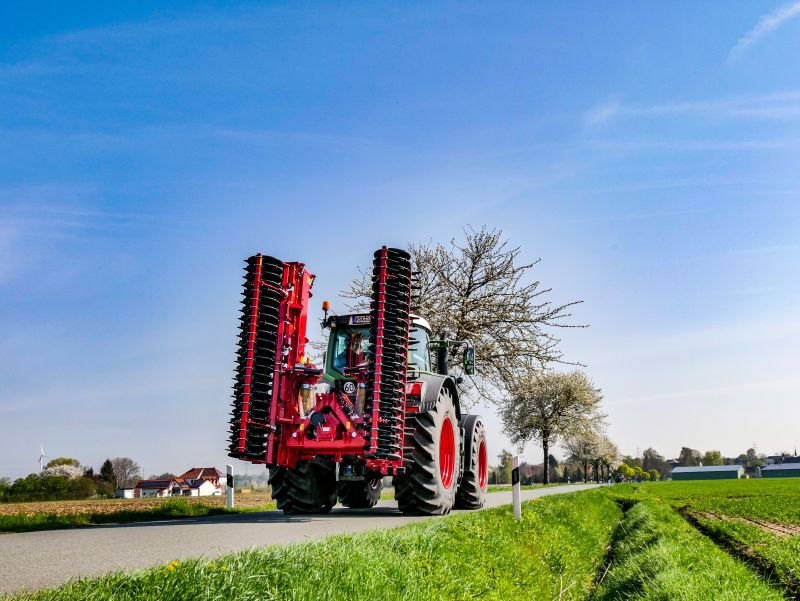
555, 552
169, 509
657, 555
574, 546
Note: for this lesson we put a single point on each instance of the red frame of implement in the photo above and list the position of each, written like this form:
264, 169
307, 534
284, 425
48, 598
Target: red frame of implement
288, 438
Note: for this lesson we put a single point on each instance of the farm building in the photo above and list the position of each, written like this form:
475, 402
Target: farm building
195, 488
783, 458
197, 475
708, 472
197, 482
781, 470
153, 488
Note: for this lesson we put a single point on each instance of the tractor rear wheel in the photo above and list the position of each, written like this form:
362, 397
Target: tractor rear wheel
429, 485
360, 494
472, 489
309, 488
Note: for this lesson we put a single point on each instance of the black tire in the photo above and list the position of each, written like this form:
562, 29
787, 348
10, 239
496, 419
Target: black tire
471, 495
360, 494
309, 488
422, 489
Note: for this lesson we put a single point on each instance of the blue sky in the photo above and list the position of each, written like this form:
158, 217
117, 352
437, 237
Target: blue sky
649, 157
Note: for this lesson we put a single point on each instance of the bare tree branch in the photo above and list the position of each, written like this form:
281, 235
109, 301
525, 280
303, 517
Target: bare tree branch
126, 470
479, 289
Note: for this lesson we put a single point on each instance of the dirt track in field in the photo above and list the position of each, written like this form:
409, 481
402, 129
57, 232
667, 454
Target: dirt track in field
775, 528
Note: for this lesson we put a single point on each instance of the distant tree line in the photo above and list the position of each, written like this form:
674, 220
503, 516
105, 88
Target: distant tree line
567, 470
653, 466
64, 478
692, 457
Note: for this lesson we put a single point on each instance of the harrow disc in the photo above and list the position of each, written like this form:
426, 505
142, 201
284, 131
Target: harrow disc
390, 307
255, 357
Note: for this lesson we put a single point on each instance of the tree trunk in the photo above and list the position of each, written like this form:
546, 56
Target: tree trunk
585, 472
546, 449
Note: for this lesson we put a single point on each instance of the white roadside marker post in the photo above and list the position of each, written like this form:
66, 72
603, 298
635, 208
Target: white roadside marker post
229, 486
515, 487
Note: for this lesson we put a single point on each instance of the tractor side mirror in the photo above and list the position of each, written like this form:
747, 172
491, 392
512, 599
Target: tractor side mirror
469, 360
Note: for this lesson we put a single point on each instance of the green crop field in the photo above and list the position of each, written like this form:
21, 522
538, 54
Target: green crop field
756, 521
692, 541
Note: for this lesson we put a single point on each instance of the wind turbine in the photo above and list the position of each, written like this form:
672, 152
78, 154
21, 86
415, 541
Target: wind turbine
41, 457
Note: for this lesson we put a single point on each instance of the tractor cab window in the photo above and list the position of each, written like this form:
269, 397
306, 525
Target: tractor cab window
349, 348
418, 355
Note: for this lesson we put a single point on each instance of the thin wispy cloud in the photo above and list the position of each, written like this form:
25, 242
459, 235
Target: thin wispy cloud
8, 254
766, 25
691, 145
775, 106
760, 387
602, 113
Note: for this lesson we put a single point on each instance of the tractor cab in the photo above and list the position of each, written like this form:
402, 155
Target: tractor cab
348, 346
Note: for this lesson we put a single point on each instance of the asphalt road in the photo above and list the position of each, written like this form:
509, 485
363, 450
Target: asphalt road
34, 560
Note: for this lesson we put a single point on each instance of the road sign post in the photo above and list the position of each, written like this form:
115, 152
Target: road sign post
515, 487
229, 486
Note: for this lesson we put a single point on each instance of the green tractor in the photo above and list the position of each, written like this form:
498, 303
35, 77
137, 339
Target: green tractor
445, 449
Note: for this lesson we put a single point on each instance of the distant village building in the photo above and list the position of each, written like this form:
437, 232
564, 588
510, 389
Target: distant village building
780, 459
205, 474
153, 488
781, 470
708, 472
197, 482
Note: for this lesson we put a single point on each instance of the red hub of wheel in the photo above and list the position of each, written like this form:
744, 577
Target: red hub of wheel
447, 453
483, 466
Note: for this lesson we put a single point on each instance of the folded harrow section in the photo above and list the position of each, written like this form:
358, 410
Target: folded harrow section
386, 377
253, 389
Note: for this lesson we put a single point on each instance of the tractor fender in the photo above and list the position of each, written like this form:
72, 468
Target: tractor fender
434, 383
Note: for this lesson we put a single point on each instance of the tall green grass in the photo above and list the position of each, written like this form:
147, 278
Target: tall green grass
657, 555
555, 552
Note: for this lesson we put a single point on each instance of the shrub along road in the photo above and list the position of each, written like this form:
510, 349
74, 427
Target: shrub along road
34, 560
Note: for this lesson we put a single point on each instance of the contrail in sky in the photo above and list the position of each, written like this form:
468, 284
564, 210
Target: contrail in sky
766, 25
